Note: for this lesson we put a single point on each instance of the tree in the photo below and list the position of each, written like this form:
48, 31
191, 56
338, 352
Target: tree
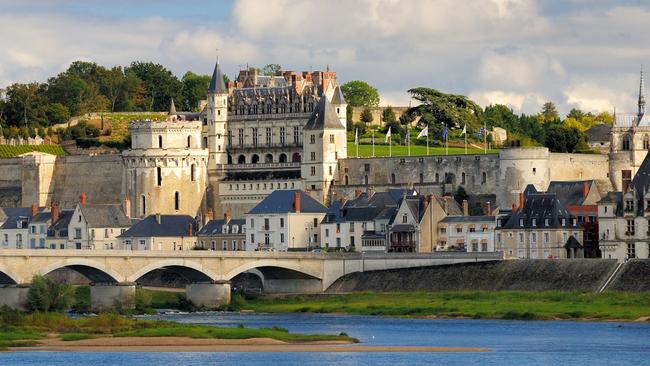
366, 116
194, 89
549, 112
560, 138
575, 114
460, 195
438, 109
271, 69
57, 113
388, 115
360, 94
159, 85
46, 295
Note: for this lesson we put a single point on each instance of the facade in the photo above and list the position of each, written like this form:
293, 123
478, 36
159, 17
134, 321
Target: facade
467, 233
225, 234
161, 232
98, 226
404, 226
286, 220
539, 228
14, 232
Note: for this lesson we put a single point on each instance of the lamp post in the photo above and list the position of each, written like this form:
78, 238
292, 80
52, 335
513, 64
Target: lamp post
309, 228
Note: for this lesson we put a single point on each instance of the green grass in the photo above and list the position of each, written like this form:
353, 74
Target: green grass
473, 304
416, 150
21, 329
10, 151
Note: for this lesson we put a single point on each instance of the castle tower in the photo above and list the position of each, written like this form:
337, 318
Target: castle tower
339, 103
324, 144
166, 168
641, 95
217, 116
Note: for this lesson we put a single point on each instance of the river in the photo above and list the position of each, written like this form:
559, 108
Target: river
511, 342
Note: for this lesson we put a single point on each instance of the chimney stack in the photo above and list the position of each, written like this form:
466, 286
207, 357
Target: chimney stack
189, 229
488, 208
446, 205
357, 193
158, 219
210, 213
296, 201
465, 208
34, 209
83, 199
126, 206
226, 217
56, 213
585, 189
514, 207
426, 203
521, 200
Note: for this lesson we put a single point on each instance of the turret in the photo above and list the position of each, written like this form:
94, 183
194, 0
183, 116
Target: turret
340, 105
641, 96
217, 116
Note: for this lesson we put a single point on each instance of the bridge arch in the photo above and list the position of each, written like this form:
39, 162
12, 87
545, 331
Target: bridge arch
94, 271
260, 265
8, 277
193, 271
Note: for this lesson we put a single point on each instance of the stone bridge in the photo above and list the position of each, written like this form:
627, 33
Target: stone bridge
114, 274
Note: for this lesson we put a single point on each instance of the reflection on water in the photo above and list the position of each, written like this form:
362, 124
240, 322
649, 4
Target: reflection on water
512, 342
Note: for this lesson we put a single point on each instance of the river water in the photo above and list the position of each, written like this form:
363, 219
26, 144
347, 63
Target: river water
511, 342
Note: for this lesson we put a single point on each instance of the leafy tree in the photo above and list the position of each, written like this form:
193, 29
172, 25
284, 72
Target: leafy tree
46, 295
388, 115
194, 89
460, 195
437, 109
159, 85
348, 116
575, 114
57, 113
360, 94
560, 138
366, 115
549, 113
271, 69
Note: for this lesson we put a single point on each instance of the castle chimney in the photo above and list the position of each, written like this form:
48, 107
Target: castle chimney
158, 219
514, 207
488, 208
521, 200
296, 201
34, 209
226, 217
426, 203
56, 213
357, 193
126, 206
465, 208
445, 205
210, 213
585, 189
189, 229
83, 199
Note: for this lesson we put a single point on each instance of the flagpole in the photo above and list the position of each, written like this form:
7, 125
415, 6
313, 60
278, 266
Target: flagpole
485, 137
465, 139
446, 142
390, 145
373, 143
408, 140
427, 139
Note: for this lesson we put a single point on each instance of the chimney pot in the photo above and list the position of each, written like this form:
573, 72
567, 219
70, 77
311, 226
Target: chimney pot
189, 229
34, 209
296, 201
521, 200
126, 206
226, 217
585, 189
55, 212
83, 199
158, 219
488, 208
465, 208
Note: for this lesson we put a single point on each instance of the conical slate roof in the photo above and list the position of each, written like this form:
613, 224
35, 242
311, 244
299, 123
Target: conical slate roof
217, 85
324, 117
641, 184
172, 108
338, 97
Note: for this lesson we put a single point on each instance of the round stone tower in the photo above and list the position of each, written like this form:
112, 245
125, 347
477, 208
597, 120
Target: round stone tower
166, 167
518, 168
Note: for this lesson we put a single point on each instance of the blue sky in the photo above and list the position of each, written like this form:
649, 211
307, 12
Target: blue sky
576, 53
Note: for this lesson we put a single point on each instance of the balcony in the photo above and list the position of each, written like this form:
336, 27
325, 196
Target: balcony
236, 148
261, 166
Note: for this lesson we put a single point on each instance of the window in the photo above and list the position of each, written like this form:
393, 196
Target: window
158, 176
546, 238
193, 172
327, 233
315, 222
533, 237
534, 222
352, 227
352, 241
177, 201
281, 237
330, 169
392, 178
483, 177
296, 135
405, 218
312, 139
313, 170
338, 242
32, 229
630, 227
631, 250
252, 224
254, 134
268, 136
266, 224
521, 238
283, 136
240, 137
626, 142
267, 239
160, 144
331, 139
462, 178
312, 156
521, 222
77, 233
281, 221
459, 228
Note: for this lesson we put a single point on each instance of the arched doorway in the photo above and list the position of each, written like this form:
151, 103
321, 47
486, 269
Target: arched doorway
283, 158
268, 158
255, 159
241, 159
295, 158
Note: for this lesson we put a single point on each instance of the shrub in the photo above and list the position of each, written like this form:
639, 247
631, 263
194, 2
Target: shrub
47, 295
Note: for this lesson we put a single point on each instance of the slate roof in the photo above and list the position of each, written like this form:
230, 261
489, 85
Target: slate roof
15, 214
540, 207
568, 192
641, 184
599, 133
333, 214
380, 205
170, 226
214, 227
217, 85
324, 117
105, 216
460, 219
572, 242
41, 217
453, 208
337, 97
263, 175
61, 226
281, 201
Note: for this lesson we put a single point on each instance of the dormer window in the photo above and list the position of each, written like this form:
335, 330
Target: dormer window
224, 229
563, 222
235, 229
575, 222
547, 222
629, 205
534, 222
521, 222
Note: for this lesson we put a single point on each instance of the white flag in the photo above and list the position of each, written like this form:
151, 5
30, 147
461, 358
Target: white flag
424, 132
356, 136
387, 135
464, 130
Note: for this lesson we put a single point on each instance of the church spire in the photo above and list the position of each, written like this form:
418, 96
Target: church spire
641, 95
172, 108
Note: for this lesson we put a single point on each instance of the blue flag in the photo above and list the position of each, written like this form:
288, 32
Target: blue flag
480, 132
444, 133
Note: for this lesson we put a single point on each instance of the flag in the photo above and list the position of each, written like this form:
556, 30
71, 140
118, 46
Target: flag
443, 134
387, 135
356, 136
464, 130
480, 132
424, 132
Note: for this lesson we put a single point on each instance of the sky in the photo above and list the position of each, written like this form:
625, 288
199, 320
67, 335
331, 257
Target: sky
576, 53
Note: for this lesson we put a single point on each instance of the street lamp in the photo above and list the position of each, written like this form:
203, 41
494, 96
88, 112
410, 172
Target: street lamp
309, 228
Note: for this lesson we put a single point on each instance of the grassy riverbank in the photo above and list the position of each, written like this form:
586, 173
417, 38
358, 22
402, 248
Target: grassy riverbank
527, 305
21, 330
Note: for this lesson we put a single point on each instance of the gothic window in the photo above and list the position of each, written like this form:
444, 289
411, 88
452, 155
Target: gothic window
240, 137
144, 205
254, 136
255, 159
296, 135
241, 159
295, 158
268, 136
646, 142
158, 176
160, 145
462, 178
483, 177
283, 158
177, 201
283, 137
626, 142
193, 172
189, 142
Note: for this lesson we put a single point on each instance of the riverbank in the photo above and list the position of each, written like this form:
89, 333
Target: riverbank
521, 305
183, 344
33, 330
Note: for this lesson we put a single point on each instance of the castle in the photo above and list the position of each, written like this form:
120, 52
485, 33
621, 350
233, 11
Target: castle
261, 133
